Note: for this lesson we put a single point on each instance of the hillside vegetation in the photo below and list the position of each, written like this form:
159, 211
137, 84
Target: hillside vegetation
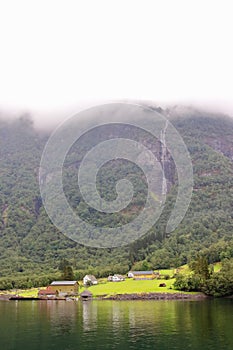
31, 248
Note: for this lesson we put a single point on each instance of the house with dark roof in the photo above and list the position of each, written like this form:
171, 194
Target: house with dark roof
89, 280
86, 295
65, 288
142, 275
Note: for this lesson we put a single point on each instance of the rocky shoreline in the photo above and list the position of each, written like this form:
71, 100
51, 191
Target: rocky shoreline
134, 296
157, 296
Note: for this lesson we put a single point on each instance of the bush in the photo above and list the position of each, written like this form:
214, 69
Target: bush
190, 283
166, 277
218, 286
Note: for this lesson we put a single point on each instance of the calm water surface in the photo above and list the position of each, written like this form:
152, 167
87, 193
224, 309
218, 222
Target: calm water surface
119, 325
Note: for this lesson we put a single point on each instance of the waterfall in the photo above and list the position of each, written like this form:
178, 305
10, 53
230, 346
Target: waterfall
163, 157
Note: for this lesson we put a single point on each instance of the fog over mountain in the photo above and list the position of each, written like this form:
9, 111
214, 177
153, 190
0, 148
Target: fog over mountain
51, 119
176, 53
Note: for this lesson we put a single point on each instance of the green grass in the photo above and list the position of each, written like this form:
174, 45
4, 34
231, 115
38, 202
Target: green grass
130, 286
25, 292
169, 272
184, 269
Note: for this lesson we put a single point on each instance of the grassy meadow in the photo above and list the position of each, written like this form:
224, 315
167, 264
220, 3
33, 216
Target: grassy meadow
129, 286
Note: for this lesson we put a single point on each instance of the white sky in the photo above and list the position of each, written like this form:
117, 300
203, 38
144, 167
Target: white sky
56, 56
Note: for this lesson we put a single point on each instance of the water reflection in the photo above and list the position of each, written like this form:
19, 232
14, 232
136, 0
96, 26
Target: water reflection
62, 317
89, 312
116, 325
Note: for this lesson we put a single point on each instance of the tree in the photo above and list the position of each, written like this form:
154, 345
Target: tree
221, 283
62, 265
66, 269
68, 274
201, 268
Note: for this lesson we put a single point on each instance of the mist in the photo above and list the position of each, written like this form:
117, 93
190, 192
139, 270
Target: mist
49, 120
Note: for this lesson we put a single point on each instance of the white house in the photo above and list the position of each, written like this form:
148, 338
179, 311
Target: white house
89, 279
117, 278
130, 274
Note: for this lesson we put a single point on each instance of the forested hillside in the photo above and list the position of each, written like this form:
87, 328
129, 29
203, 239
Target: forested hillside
31, 248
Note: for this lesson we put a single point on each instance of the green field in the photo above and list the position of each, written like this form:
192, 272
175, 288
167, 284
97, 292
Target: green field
33, 292
167, 272
130, 286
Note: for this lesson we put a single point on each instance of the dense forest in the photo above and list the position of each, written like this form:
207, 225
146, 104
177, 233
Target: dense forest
32, 249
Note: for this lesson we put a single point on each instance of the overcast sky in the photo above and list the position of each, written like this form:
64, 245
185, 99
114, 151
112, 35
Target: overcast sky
57, 56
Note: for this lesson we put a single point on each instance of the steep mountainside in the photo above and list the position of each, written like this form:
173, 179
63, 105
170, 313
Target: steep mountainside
30, 244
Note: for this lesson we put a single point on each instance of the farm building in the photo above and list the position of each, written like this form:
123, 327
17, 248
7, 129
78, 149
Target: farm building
89, 279
116, 278
63, 288
130, 274
47, 293
142, 275
86, 295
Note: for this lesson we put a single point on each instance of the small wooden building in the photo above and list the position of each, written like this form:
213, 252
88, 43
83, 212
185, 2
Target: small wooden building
86, 295
65, 288
47, 293
142, 275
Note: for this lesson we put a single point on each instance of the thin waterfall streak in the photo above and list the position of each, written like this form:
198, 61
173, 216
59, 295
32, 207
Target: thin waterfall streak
163, 157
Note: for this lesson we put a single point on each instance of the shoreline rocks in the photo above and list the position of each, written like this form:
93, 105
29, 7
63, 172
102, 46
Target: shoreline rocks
157, 296
134, 296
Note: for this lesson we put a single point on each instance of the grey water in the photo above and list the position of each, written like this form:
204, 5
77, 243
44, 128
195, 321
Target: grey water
70, 325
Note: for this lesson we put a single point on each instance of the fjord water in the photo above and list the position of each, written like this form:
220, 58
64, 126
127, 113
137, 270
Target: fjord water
69, 325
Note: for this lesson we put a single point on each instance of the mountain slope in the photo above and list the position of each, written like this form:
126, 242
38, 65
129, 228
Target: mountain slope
29, 243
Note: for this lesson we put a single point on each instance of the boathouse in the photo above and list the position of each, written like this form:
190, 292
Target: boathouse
65, 288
